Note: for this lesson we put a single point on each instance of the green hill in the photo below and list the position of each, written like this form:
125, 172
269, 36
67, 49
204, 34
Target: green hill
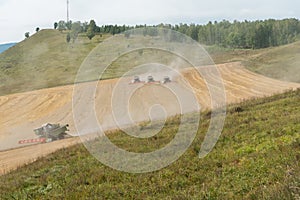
281, 62
256, 157
43, 60
47, 60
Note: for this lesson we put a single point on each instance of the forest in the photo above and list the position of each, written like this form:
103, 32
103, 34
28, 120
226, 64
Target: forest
243, 35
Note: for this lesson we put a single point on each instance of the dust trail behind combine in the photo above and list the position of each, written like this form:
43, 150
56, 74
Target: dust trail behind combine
21, 113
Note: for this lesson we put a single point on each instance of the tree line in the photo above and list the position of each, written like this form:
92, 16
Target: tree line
255, 35
91, 29
236, 34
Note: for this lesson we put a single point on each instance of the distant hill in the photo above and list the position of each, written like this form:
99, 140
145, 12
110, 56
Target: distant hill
4, 47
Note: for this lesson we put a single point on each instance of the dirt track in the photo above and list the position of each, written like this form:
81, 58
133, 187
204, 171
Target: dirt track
21, 113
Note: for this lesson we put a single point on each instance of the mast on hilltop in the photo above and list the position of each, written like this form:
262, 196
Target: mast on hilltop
68, 11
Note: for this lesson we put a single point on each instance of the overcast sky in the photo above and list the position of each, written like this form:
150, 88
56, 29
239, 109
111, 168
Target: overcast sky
20, 16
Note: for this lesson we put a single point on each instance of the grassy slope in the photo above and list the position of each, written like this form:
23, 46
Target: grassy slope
256, 157
43, 60
46, 60
281, 62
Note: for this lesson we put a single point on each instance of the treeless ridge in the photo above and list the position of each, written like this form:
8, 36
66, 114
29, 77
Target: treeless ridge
23, 112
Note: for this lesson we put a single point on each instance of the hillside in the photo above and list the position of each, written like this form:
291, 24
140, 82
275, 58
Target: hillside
4, 47
57, 105
281, 63
43, 60
46, 60
256, 157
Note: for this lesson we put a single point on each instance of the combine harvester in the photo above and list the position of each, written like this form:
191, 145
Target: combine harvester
136, 80
150, 80
166, 80
48, 133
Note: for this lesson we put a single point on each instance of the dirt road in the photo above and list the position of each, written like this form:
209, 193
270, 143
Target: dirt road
21, 113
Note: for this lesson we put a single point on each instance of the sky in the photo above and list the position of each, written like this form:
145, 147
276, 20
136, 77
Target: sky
20, 16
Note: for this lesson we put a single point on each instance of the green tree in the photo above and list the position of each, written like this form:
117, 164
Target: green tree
193, 32
62, 25
91, 29
93, 25
90, 33
85, 26
69, 25
27, 35
55, 25
76, 29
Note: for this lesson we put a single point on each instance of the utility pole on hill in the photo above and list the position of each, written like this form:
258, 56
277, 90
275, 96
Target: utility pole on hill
68, 14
